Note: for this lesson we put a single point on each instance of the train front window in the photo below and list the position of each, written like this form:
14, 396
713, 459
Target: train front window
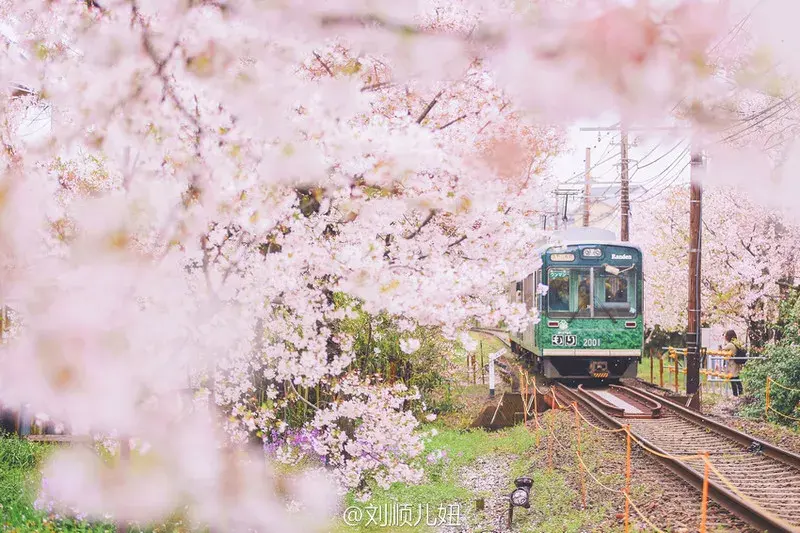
569, 292
615, 292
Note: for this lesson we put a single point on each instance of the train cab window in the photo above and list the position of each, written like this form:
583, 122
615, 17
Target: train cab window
558, 292
615, 292
569, 292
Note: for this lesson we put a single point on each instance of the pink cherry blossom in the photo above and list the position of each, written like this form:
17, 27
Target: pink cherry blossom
210, 180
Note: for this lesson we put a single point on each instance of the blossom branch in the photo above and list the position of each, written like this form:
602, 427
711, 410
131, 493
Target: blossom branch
429, 107
425, 222
324, 64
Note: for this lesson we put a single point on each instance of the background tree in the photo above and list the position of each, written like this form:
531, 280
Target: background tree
749, 254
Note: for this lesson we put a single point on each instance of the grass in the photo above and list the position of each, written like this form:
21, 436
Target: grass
470, 398
554, 505
20, 462
440, 485
555, 502
643, 372
489, 343
19, 478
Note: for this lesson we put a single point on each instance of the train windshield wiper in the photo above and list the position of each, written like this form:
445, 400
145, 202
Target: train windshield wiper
574, 315
609, 313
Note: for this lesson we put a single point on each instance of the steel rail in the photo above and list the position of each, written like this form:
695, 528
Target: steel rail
650, 403
770, 450
750, 512
653, 406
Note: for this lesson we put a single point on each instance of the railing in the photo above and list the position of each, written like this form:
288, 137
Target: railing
669, 365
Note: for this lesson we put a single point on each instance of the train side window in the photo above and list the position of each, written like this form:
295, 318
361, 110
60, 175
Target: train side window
538, 282
518, 292
527, 291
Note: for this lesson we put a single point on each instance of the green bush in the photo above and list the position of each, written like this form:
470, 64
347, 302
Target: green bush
782, 365
376, 345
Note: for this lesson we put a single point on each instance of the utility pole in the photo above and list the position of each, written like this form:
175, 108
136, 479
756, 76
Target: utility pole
624, 189
555, 218
693, 331
566, 193
587, 187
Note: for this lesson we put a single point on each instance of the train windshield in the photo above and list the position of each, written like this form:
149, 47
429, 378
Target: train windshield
615, 292
592, 292
569, 291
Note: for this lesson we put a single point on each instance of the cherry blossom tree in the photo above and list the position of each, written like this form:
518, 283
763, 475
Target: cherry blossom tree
749, 255
218, 174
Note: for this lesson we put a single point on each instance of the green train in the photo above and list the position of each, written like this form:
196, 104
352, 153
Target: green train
591, 313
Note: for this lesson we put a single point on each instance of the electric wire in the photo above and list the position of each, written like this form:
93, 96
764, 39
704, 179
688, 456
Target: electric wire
583, 173
664, 188
738, 134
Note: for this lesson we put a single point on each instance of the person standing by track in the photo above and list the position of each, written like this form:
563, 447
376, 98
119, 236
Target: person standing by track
734, 347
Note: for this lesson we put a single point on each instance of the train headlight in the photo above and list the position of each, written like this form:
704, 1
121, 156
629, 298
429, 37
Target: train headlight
521, 495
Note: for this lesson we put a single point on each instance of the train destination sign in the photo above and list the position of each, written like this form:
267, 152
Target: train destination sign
562, 258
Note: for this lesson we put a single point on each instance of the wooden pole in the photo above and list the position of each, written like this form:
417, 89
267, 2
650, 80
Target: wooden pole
578, 452
677, 372
766, 403
482, 364
549, 443
624, 190
627, 475
704, 501
474, 371
695, 253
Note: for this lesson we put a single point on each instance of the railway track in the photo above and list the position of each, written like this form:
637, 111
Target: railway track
760, 482
623, 402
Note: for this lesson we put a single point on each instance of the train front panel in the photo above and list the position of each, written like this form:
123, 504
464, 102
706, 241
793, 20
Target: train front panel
592, 324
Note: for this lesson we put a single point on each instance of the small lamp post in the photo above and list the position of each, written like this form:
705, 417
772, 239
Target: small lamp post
520, 497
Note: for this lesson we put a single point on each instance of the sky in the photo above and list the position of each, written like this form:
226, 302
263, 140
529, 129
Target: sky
657, 160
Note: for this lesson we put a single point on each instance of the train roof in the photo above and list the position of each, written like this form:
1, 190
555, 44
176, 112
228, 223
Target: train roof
577, 236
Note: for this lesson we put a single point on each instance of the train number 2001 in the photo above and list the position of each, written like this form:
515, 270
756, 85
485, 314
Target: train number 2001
591, 343
565, 340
